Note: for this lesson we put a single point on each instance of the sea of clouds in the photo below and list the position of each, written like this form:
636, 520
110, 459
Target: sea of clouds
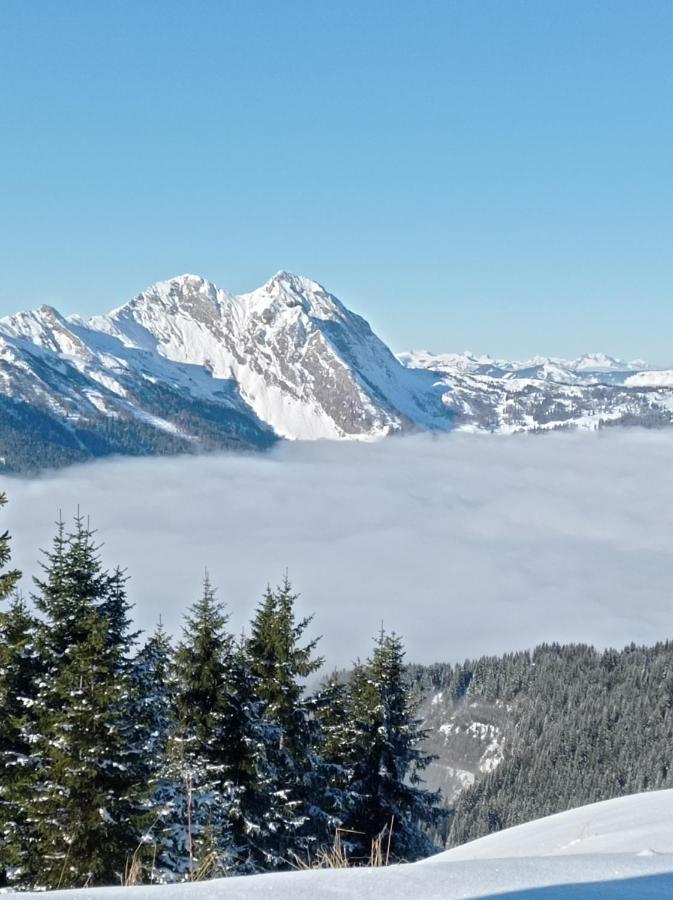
464, 544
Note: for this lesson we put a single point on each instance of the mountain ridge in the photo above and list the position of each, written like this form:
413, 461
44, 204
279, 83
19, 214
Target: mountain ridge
186, 366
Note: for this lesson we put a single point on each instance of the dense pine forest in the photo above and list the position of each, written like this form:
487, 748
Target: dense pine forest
32, 439
576, 726
130, 759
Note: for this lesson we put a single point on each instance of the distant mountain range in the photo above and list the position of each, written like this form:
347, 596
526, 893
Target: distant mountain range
185, 367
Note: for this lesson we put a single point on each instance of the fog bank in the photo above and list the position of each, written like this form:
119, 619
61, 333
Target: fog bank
463, 544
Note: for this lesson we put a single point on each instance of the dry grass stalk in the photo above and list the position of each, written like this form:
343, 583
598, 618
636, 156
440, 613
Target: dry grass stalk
133, 874
336, 857
205, 868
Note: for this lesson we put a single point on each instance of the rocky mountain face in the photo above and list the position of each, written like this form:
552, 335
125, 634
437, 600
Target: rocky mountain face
466, 739
187, 367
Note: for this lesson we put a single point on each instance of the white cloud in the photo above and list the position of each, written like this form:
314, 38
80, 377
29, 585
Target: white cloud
463, 544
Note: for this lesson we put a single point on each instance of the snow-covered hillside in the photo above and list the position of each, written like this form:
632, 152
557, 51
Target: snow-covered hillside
618, 850
638, 824
467, 740
545, 393
187, 366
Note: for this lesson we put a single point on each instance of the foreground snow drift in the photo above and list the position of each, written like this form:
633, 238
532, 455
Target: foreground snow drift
639, 824
614, 850
583, 878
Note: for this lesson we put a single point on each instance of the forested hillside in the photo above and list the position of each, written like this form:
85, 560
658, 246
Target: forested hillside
566, 726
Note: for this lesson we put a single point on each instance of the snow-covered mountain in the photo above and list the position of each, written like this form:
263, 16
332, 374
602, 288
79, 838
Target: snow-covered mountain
614, 850
186, 366
587, 369
546, 393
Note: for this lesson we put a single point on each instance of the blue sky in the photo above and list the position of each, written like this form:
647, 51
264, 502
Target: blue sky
492, 175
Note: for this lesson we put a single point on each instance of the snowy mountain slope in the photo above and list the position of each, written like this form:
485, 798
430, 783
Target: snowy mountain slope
186, 366
65, 396
195, 367
650, 379
546, 393
617, 850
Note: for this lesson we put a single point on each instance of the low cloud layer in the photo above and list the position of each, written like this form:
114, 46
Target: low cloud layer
464, 544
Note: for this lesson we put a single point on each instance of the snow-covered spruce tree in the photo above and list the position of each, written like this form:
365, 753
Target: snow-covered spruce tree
263, 809
86, 796
8, 578
152, 720
280, 663
220, 790
339, 748
115, 609
18, 670
383, 750
197, 835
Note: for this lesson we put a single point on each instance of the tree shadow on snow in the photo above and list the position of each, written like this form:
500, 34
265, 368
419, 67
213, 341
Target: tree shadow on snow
644, 887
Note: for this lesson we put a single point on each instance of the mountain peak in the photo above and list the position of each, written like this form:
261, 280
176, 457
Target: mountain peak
598, 361
177, 283
186, 292
288, 291
291, 282
49, 312
187, 278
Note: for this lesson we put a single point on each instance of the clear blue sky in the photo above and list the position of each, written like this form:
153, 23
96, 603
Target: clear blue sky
492, 175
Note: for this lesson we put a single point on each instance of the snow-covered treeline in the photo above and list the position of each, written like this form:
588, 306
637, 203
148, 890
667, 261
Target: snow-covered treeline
126, 759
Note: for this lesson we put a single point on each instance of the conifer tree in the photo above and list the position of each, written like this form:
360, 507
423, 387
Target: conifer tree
8, 579
263, 812
86, 798
153, 688
386, 756
331, 709
115, 609
278, 660
280, 664
200, 830
18, 672
223, 802
152, 715
339, 750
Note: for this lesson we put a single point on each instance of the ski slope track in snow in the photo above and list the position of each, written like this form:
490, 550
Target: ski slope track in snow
617, 850
186, 366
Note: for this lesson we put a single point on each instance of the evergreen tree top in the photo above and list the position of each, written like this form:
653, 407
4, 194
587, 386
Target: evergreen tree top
203, 659
207, 616
8, 580
74, 585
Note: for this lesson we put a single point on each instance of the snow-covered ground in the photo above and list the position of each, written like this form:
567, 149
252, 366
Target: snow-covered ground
641, 823
607, 851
